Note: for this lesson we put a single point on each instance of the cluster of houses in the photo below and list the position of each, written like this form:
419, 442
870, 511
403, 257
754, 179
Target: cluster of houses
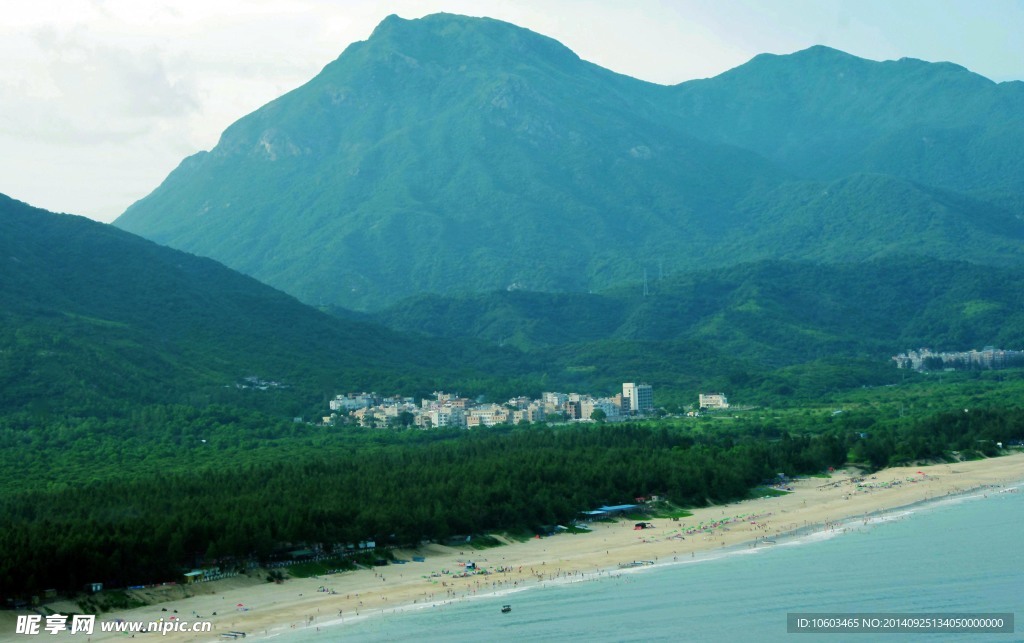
258, 383
452, 410
925, 359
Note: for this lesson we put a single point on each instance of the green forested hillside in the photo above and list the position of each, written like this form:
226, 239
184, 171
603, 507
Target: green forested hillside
772, 313
454, 155
95, 319
98, 322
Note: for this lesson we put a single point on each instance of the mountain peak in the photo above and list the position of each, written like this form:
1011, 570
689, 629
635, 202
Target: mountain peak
824, 52
390, 22
454, 38
815, 57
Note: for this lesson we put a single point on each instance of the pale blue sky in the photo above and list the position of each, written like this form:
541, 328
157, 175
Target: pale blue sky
101, 99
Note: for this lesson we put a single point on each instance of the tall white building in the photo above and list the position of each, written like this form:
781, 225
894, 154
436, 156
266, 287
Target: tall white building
641, 397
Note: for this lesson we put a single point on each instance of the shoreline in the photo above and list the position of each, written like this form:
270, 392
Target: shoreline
814, 506
703, 556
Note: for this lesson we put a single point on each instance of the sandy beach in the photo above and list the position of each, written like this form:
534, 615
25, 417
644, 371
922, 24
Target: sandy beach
261, 609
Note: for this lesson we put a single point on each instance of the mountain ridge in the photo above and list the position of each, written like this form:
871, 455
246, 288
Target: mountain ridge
823, 81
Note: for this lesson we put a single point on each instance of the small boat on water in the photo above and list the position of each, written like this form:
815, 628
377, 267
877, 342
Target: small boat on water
505, 609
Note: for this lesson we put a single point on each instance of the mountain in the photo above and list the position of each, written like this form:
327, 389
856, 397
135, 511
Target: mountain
445, 154
93, 318
456, 155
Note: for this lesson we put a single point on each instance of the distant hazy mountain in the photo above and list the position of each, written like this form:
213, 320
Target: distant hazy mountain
92, 316
456, 155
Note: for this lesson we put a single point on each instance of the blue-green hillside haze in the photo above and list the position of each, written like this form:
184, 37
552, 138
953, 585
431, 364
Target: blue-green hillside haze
771, 312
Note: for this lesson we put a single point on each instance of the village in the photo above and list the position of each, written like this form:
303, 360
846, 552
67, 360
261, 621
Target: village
989, 357
452, 410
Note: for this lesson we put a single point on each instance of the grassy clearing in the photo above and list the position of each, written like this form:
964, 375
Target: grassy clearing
765, 492
671, 512
108, 601
483, 542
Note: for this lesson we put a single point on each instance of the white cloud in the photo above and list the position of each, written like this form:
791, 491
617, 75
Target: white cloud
84, 92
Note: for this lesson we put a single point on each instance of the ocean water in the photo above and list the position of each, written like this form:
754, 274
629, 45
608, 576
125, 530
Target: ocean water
962, 554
